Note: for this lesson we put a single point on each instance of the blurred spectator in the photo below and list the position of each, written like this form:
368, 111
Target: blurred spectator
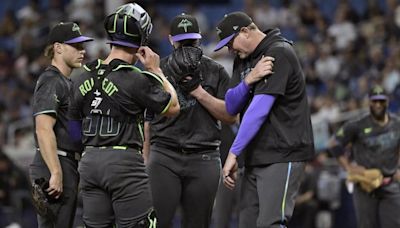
265, 15
342, 29
82, 11
327, 65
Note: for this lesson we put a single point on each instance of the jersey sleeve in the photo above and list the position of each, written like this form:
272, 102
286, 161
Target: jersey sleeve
275, 83
223, 83
46, 99
151, 93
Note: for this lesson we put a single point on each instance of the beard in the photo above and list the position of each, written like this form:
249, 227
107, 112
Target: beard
378, 114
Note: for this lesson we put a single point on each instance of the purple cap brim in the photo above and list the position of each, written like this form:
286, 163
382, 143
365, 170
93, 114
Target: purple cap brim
186, 36
224, 42
378, 97
79, 39
123, 43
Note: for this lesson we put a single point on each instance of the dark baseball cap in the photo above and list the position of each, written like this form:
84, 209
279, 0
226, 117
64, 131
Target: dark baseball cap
229, 26
377, 93
68, 33
184, 27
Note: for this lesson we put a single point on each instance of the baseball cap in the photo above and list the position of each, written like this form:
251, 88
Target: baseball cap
377, 93
68, 33
229, 26
184, 27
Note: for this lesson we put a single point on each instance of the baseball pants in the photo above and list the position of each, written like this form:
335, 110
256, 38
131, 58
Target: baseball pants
67, 206
189, 180
114, 187
378, 209
268, 194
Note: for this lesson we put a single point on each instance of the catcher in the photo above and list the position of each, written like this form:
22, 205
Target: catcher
375, 145
184, 161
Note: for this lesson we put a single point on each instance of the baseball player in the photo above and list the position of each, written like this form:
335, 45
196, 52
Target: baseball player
110, 98
184, 162
57, 154
275, 134
375, 144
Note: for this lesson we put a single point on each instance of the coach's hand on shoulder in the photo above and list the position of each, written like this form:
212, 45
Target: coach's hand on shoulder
260, 71
229, 171
149, 59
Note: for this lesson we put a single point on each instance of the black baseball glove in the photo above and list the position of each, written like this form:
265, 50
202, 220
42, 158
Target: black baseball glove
45, 205
184, 61
190, 83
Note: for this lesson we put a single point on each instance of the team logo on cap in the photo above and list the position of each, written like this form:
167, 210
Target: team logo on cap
185, 23
340, 132
378, 90
75, 28
235, 27
218, 31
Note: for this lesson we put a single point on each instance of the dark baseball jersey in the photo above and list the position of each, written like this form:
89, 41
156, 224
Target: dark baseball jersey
286, 135
373, 146
194, 127
51, 97
111, 99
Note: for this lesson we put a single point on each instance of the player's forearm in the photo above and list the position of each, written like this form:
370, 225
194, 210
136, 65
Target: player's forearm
236, 98
344, 162
216, 107
174, 107
252, 120
48, 149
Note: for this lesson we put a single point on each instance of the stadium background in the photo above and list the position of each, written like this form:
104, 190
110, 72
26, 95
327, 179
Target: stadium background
345, 46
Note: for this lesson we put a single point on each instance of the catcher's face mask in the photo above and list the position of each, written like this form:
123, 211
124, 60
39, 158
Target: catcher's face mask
129, 26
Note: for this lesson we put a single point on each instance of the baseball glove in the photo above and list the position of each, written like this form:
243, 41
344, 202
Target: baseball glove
42, 202
369, 180
188, 85
184, 61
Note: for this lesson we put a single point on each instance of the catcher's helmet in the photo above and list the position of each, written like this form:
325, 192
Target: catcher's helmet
129, 26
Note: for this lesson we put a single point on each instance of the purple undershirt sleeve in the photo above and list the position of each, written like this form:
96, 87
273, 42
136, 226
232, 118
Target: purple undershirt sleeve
75, 130
252, 120
236, 98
